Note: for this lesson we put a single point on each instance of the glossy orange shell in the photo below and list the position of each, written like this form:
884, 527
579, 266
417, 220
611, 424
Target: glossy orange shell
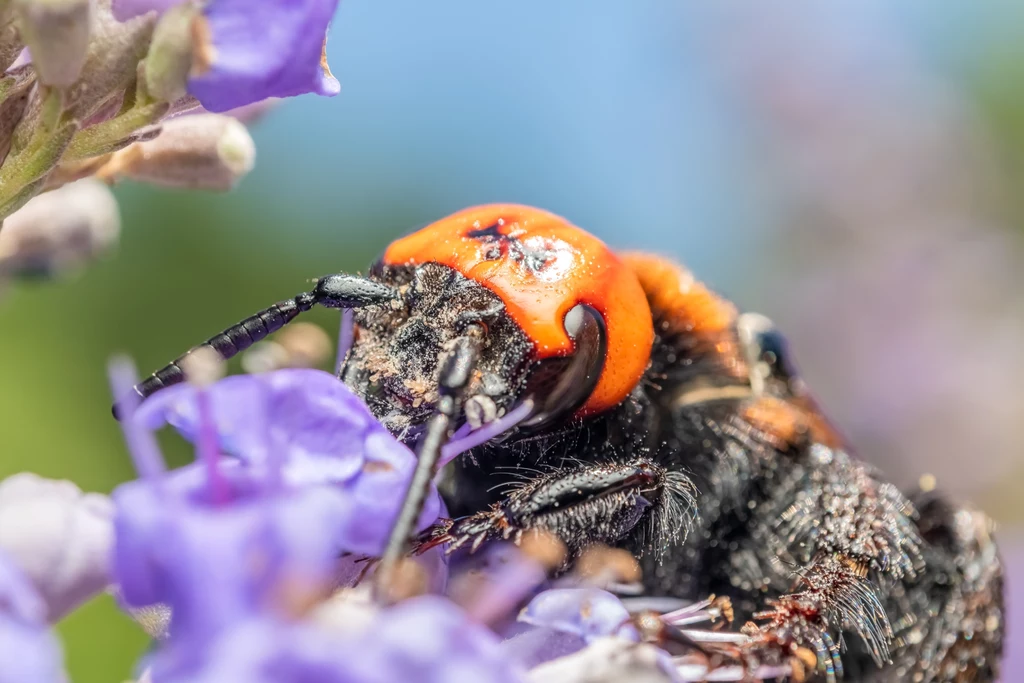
576, 268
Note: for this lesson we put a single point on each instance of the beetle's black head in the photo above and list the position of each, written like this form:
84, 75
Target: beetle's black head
396, 357
398, 352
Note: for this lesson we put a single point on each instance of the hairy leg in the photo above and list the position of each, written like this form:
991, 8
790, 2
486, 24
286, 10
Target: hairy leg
581, 505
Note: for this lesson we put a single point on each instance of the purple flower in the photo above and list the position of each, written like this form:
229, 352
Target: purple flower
317, 430
246, 51
425, 639
127, 9
266, 49
29, 653
589, 613
430, 639
217, 562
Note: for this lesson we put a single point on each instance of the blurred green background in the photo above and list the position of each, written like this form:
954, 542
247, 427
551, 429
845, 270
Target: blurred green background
853, 172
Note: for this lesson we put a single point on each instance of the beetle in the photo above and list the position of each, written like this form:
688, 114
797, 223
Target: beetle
616, 399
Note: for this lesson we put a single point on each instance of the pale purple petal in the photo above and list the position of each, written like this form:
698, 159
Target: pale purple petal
535, 645
126, 9
376, 495
426, 639
264, 49
263, 651
214, 565
611, 659
59, 537
310, 418
29, 652
429, 639
587, 612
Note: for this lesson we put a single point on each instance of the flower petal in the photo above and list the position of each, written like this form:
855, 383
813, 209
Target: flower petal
126, 9
590, 613
376, 495
259, 50
215, 564
429, 639
29, 652
608, 660
308, 417
60, 537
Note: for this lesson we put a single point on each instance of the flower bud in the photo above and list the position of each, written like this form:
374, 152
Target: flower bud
128, 9
58, 230
59, 537
111, 63
11, 43
57, 34
16, 86
170, 54
203, 151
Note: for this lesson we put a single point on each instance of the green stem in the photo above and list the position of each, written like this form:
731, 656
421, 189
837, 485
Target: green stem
24, 173
109, 135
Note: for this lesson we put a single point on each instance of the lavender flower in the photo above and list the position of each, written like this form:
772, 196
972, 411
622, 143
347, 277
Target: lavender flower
220, 543
235, 60
29, 653
238, 549
589, 613
250, 63
115, 71
129, 9
320, 432
314, 475
424, 639
430, 639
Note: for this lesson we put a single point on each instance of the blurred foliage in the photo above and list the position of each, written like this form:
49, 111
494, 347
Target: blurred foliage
994, 89
189, 265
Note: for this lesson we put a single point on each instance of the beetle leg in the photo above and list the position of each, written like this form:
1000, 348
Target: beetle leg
581, 505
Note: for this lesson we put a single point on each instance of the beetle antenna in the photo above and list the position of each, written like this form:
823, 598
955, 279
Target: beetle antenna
456, 371
331, 291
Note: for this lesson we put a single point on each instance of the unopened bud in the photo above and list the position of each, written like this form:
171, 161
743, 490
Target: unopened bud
57, 35
11, 43
170, 54
204, 151
15, 86
111, 62
60, 230
60, 537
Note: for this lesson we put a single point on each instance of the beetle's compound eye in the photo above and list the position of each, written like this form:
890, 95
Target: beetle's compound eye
559, 386
765, 349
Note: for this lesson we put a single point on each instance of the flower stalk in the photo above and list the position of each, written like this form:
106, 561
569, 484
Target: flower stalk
87, 85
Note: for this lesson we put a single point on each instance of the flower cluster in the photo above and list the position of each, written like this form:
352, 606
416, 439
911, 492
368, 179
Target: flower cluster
98, 88
252, 563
